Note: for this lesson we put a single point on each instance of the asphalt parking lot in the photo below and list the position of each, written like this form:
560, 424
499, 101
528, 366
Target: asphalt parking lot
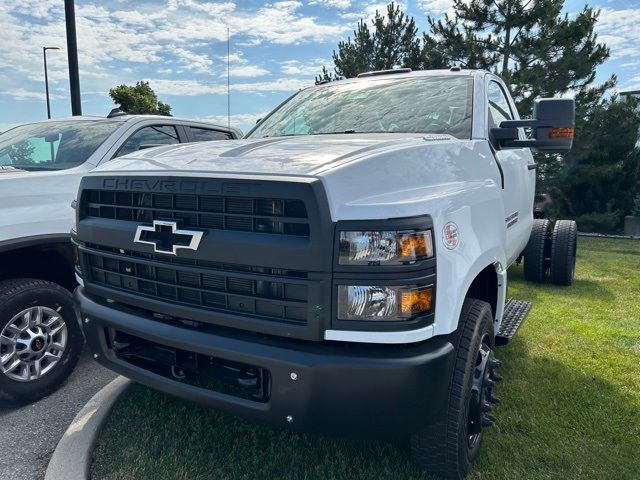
30, 433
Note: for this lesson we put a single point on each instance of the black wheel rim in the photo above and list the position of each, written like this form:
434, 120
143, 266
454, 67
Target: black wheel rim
480, 392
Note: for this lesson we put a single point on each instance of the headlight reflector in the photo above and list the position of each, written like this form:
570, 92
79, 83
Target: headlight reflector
382, 303
384, 247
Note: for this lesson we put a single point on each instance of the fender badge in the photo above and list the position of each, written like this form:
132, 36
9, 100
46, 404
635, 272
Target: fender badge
450, 235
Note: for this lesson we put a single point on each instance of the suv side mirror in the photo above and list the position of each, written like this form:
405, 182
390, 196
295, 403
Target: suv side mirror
552, 127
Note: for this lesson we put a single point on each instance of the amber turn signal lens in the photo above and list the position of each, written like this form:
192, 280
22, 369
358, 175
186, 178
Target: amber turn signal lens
561, 132
415, 245
415, 301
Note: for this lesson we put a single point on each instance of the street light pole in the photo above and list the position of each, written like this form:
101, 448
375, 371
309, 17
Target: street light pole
46, 77
72, 53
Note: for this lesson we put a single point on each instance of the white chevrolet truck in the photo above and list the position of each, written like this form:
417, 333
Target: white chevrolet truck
341, 270
41, 165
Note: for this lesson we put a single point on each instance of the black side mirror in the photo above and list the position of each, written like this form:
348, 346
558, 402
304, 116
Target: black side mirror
552, 127
258, 121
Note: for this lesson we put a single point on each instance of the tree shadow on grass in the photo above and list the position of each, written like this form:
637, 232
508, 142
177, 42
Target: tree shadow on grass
553, 423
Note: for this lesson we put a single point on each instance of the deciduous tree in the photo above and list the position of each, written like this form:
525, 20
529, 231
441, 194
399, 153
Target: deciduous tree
139, 99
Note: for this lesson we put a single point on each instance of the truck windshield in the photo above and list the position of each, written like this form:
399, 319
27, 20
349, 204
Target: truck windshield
434, 104
53, 145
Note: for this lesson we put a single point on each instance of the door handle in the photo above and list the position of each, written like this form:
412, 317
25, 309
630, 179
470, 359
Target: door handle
531, 166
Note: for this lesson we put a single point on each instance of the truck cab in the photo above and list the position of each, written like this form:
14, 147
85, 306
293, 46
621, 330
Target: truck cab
342, 269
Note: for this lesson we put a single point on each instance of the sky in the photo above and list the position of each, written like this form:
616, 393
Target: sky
180, 47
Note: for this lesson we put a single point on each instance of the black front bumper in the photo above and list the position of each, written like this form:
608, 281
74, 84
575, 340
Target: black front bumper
357, 390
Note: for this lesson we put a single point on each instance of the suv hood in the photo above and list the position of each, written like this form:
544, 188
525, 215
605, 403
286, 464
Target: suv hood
295, 155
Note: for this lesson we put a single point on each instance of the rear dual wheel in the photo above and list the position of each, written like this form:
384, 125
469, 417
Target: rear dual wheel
551, 252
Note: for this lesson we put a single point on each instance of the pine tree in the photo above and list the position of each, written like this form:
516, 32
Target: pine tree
391, 41
528, 43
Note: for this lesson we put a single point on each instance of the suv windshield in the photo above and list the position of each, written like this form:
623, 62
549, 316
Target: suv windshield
430, 104
53, 145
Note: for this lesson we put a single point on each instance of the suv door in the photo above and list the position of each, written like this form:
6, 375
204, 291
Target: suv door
518, 169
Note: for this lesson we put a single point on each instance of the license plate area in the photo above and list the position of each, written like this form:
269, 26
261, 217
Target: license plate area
203, 371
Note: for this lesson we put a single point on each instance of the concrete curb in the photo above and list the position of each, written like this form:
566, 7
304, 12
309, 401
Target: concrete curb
71, 459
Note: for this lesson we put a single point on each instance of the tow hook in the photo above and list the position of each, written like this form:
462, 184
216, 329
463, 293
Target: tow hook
177, 372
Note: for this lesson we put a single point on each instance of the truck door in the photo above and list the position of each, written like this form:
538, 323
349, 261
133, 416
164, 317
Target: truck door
518, 170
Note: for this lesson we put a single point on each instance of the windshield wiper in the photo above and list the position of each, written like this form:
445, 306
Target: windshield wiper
341, 132
315, 133
11, 168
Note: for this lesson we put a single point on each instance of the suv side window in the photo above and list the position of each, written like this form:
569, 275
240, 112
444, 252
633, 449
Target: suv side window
499, 108
205, 134
152, 135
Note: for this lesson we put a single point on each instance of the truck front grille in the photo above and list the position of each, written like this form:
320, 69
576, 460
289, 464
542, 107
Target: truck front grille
263, 263
268, 293
250, 214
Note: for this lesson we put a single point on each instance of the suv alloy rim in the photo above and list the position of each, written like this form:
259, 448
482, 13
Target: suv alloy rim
32, 344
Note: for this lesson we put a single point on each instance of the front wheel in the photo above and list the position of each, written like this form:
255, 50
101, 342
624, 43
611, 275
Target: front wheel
448, 447
40, 339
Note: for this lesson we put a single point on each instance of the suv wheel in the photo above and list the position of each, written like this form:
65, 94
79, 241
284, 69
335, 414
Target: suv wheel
448, 447
40, 339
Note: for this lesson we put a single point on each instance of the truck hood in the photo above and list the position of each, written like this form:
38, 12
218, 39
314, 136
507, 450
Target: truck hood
294, 155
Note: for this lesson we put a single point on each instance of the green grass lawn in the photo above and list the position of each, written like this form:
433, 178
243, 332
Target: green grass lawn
570, 402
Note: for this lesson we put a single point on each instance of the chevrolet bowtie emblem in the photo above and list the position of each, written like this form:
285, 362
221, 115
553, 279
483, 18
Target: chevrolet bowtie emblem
166, 237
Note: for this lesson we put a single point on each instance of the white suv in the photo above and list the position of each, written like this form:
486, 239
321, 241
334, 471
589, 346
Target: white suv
41, 165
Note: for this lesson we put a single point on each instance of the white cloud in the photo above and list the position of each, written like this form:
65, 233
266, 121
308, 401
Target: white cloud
309, 69
341, 4
120, 42
436, 7
192, 61
247, 71
244, 121
240, 67
619, 30
193, 87
25, 94
632, 83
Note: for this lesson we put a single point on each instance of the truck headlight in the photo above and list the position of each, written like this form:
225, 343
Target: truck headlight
382, 303
384, 247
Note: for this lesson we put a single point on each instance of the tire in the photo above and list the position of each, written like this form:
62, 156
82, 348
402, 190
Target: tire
40, 339
536, 251
564, 244
445, 448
